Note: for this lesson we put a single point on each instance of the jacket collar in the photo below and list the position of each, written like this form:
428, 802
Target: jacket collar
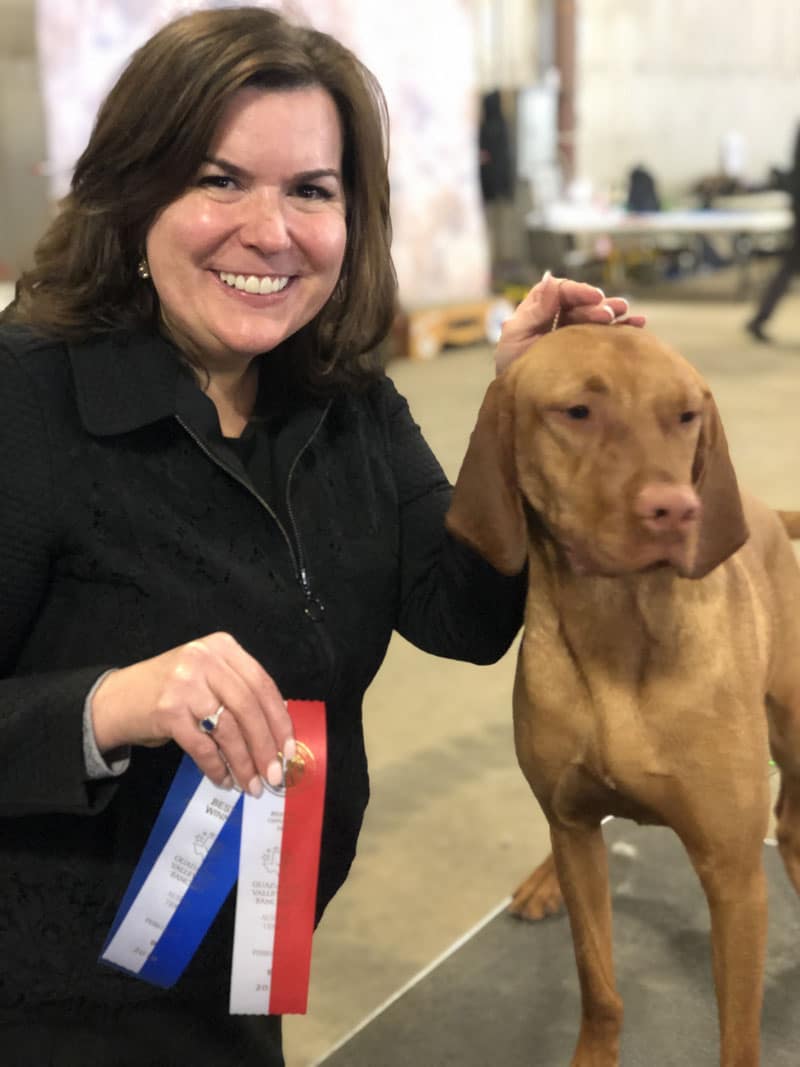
124, 381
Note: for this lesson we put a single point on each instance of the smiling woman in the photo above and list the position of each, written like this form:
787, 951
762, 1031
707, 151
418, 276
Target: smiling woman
262, 106
252, 250
214, 501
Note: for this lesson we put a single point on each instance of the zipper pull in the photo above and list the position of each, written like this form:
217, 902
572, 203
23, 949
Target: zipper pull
314, 608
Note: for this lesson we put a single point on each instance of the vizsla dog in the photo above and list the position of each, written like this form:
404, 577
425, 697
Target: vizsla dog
660, 659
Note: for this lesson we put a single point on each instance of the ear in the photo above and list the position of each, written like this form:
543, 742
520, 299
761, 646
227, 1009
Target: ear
486, 510
722, 525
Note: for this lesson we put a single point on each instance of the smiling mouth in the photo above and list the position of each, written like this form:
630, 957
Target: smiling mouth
252, 283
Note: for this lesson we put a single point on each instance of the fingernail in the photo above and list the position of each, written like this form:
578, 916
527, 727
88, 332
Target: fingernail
275, 774
547, 274
226, 783
235, 785
610, 311
290, 749
600, 291
255, 788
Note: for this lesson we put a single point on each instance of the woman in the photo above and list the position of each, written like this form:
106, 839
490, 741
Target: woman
212, 499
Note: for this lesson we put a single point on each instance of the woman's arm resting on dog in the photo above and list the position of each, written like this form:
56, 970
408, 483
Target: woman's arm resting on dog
573, 302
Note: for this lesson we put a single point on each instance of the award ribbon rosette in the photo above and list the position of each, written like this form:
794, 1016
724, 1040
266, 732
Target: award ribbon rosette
203, 839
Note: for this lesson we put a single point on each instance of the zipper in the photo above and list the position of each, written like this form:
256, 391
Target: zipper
314, 608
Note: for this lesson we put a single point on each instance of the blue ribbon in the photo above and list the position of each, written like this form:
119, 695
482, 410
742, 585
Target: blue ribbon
203, 898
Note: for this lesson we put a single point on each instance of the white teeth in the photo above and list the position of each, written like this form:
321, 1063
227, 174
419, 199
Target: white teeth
252, 283
272, 285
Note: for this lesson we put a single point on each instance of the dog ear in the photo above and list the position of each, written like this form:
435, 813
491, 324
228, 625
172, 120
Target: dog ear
723, 529
486, 510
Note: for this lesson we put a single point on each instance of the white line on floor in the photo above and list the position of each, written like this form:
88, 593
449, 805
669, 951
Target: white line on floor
417, 978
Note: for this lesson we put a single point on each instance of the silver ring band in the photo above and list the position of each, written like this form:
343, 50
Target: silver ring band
209, 724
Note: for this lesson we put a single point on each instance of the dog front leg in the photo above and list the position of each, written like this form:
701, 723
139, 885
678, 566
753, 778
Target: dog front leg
736, 890
582, 865
784, 738
787, 826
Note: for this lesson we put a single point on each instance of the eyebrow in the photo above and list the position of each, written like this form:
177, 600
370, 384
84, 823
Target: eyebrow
596, 384
305, 176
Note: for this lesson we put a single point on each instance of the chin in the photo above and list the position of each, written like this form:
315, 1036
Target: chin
630, 564
250, 346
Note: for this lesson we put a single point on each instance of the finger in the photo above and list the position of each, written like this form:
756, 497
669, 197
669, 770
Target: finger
242, 733
599, 313
539, 303
619, 305
223, 754
533, 317
208, 681
236, 751
552, 293
621, 311
217, 671
613, 311
631, 320
202, 749
578, 294
269, 701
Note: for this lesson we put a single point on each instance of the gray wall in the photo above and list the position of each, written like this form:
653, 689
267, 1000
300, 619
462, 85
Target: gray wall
661, 81
23, 201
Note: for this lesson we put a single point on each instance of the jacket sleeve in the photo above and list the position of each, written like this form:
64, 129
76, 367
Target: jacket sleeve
41, 715
452, 602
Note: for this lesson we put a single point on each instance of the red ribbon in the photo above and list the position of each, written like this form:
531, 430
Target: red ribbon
299, 862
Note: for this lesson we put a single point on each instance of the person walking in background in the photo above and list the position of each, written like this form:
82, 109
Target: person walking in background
789, 265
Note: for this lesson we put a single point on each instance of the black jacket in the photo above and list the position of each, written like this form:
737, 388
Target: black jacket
127, 528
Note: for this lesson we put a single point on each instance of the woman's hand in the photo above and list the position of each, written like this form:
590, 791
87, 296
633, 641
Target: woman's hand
573, 302
165, 698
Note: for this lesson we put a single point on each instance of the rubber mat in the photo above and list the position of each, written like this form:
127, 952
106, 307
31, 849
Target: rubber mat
508, 996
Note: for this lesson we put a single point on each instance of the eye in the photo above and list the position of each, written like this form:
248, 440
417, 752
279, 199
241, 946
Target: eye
217, 181
578, 411
309, 191
688, 416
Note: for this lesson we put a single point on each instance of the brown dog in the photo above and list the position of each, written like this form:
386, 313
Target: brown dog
656, 631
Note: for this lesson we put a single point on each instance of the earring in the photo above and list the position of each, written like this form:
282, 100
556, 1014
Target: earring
143, 270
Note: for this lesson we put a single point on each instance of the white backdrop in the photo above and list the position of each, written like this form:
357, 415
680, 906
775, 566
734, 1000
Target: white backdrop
422, 52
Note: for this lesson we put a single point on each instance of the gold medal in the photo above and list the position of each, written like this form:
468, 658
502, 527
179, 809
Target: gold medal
298, 772
300, 768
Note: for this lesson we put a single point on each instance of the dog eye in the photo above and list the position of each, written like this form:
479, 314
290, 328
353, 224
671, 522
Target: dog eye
688, 416
578, 411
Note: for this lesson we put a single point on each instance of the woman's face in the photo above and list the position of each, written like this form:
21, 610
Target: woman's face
252, 250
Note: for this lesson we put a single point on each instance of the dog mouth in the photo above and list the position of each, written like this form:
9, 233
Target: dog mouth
678, 553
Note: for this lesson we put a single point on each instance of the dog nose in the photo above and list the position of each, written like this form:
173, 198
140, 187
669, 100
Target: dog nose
667, 508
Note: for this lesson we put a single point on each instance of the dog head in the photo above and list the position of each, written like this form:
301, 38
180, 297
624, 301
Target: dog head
609, 444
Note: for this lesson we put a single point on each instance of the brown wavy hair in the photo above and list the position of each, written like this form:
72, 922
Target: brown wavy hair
148, 143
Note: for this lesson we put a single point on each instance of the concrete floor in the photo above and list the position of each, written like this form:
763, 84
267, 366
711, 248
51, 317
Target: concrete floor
452, 827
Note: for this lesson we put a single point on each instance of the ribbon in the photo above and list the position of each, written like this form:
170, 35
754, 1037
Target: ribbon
202, 839
277, 890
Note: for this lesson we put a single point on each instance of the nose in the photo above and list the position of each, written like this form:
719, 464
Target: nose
667, 508
264, 225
